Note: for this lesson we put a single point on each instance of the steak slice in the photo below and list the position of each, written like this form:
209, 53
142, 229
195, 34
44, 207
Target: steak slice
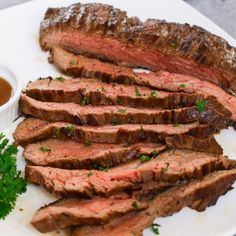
170, 166
152, 44
93, 68
95, 92
101, 115
33, 130
69, 154
68, 212
198, 195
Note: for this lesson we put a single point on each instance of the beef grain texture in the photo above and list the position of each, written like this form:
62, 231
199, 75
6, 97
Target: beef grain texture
198, 195
102, 115
69, 154
164, 80
69, 212
169, 166
33, 130
96, 92
153, 44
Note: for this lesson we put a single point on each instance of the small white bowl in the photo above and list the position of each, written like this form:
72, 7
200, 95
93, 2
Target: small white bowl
9, 110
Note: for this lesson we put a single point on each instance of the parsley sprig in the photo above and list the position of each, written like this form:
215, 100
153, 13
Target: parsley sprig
11, 184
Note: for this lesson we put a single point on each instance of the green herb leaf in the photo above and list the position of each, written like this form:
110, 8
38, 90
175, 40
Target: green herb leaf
11, 184
57, 131
154, 153
153, 93
73, 62
122, 110
60, 78
144, 158
182, 85
88, 143
70, 127
200, 105
42, 149
106, 168
135, 205
84, 101
119, 101
175, 125
155, 228
90, 173
138, 94
103, 89
115, 121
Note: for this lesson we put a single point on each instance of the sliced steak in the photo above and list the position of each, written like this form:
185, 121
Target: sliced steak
171, 166
107, 33
68, 154
68, 212
33, 130
95, 92
98, 210
101, 115
93, 68
198, 195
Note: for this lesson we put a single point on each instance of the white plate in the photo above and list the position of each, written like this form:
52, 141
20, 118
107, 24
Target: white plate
19, 47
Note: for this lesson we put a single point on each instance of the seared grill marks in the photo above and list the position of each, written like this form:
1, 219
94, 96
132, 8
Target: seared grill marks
83, 28
123, 147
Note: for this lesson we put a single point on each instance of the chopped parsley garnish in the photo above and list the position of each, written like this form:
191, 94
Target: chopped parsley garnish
57, 131
105, 168
60, 78
103, 89
200, 105
138, 94
155, 228
182, 85
126, 81
144, 158
73, 62
122, 110
153, 93
119, 101
175, 125
90, 173
154, 153
135, 205
84, 101
70, 127
42, 149
11, 184
88, 143
115, 121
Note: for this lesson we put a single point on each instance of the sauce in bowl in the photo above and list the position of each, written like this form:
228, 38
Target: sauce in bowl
5, 91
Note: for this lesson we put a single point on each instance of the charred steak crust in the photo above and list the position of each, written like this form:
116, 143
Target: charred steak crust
107, 72
101, 115
33, 130
100, 93
152, 44
198, 195
69, 154
170, 166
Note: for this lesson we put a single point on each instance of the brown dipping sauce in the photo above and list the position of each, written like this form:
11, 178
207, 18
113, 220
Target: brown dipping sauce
5, 91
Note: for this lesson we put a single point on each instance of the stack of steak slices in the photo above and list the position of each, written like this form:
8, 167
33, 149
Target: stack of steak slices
121, 147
